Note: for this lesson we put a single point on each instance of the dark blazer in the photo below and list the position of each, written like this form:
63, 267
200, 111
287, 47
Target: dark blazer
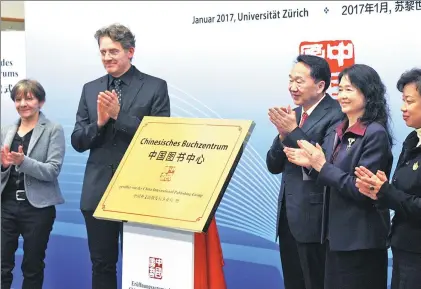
304, 198
146, 96
403, 196
354, 221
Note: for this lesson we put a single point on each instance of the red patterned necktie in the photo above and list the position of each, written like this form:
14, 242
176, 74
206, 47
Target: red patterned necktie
303, 118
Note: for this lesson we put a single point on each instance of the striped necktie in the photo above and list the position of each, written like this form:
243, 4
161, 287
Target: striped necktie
303, 119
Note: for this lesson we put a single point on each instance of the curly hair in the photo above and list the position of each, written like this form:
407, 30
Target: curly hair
117, 33
408, 77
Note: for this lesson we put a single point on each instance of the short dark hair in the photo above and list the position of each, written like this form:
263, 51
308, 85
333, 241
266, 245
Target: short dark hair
26, 86
319, 68
117, 33
368, 81
408, 77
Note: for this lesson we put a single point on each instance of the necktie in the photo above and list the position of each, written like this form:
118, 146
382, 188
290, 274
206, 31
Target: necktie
117, 86
303, 118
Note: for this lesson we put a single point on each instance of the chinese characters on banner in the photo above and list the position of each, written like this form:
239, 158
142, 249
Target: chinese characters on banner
338, 53
407, 6
155, 268
181, 157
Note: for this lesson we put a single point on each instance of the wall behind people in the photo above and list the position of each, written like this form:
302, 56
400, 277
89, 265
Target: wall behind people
234, 67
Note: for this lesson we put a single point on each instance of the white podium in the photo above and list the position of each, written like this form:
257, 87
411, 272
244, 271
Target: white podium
157, 258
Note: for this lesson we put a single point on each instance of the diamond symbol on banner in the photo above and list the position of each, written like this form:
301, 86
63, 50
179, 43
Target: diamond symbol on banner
326, 10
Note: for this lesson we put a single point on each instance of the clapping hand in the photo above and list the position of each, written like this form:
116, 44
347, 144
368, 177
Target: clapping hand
5, 162
108, 101
16, 158
307, 155
284, 119
368, 183
11, 158
298, 156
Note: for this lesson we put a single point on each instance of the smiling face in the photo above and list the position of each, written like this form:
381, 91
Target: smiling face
115, 58
411, 106
27, 105
350, 98
28, 96
302, 87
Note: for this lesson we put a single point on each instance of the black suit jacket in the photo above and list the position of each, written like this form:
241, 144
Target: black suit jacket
404, 196
354, 221
304, 198
146, 96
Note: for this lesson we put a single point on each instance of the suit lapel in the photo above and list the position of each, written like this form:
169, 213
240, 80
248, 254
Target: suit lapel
103, 86
331, 145
135, 86
36, 134
8, 139
318, 113
298, 114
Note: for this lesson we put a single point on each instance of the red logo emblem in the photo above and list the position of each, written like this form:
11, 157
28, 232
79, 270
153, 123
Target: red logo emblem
167, 174
155, 268
338, 53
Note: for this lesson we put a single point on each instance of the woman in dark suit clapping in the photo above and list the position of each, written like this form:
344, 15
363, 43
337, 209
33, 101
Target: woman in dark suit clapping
356, 229
403, 194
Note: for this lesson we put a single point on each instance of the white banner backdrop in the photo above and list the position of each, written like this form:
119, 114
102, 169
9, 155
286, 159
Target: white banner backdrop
13, 69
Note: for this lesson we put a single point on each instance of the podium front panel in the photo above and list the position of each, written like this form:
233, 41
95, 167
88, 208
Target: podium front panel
157, 258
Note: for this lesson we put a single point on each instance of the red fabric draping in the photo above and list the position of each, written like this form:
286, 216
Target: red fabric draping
208, 260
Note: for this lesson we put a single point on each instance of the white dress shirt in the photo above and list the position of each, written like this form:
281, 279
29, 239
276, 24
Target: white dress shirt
310, 110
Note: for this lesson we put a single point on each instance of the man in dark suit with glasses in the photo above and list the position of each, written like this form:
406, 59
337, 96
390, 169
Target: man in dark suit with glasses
110, 111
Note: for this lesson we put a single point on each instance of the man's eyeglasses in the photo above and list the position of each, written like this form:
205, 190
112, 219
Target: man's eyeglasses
112, 53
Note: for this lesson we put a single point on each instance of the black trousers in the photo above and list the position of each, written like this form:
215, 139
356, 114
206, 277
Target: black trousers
35, 225
103, 246
406, 270
303, 264
361, 269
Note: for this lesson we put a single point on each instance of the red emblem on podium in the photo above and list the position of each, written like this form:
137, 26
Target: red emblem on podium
155, 268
